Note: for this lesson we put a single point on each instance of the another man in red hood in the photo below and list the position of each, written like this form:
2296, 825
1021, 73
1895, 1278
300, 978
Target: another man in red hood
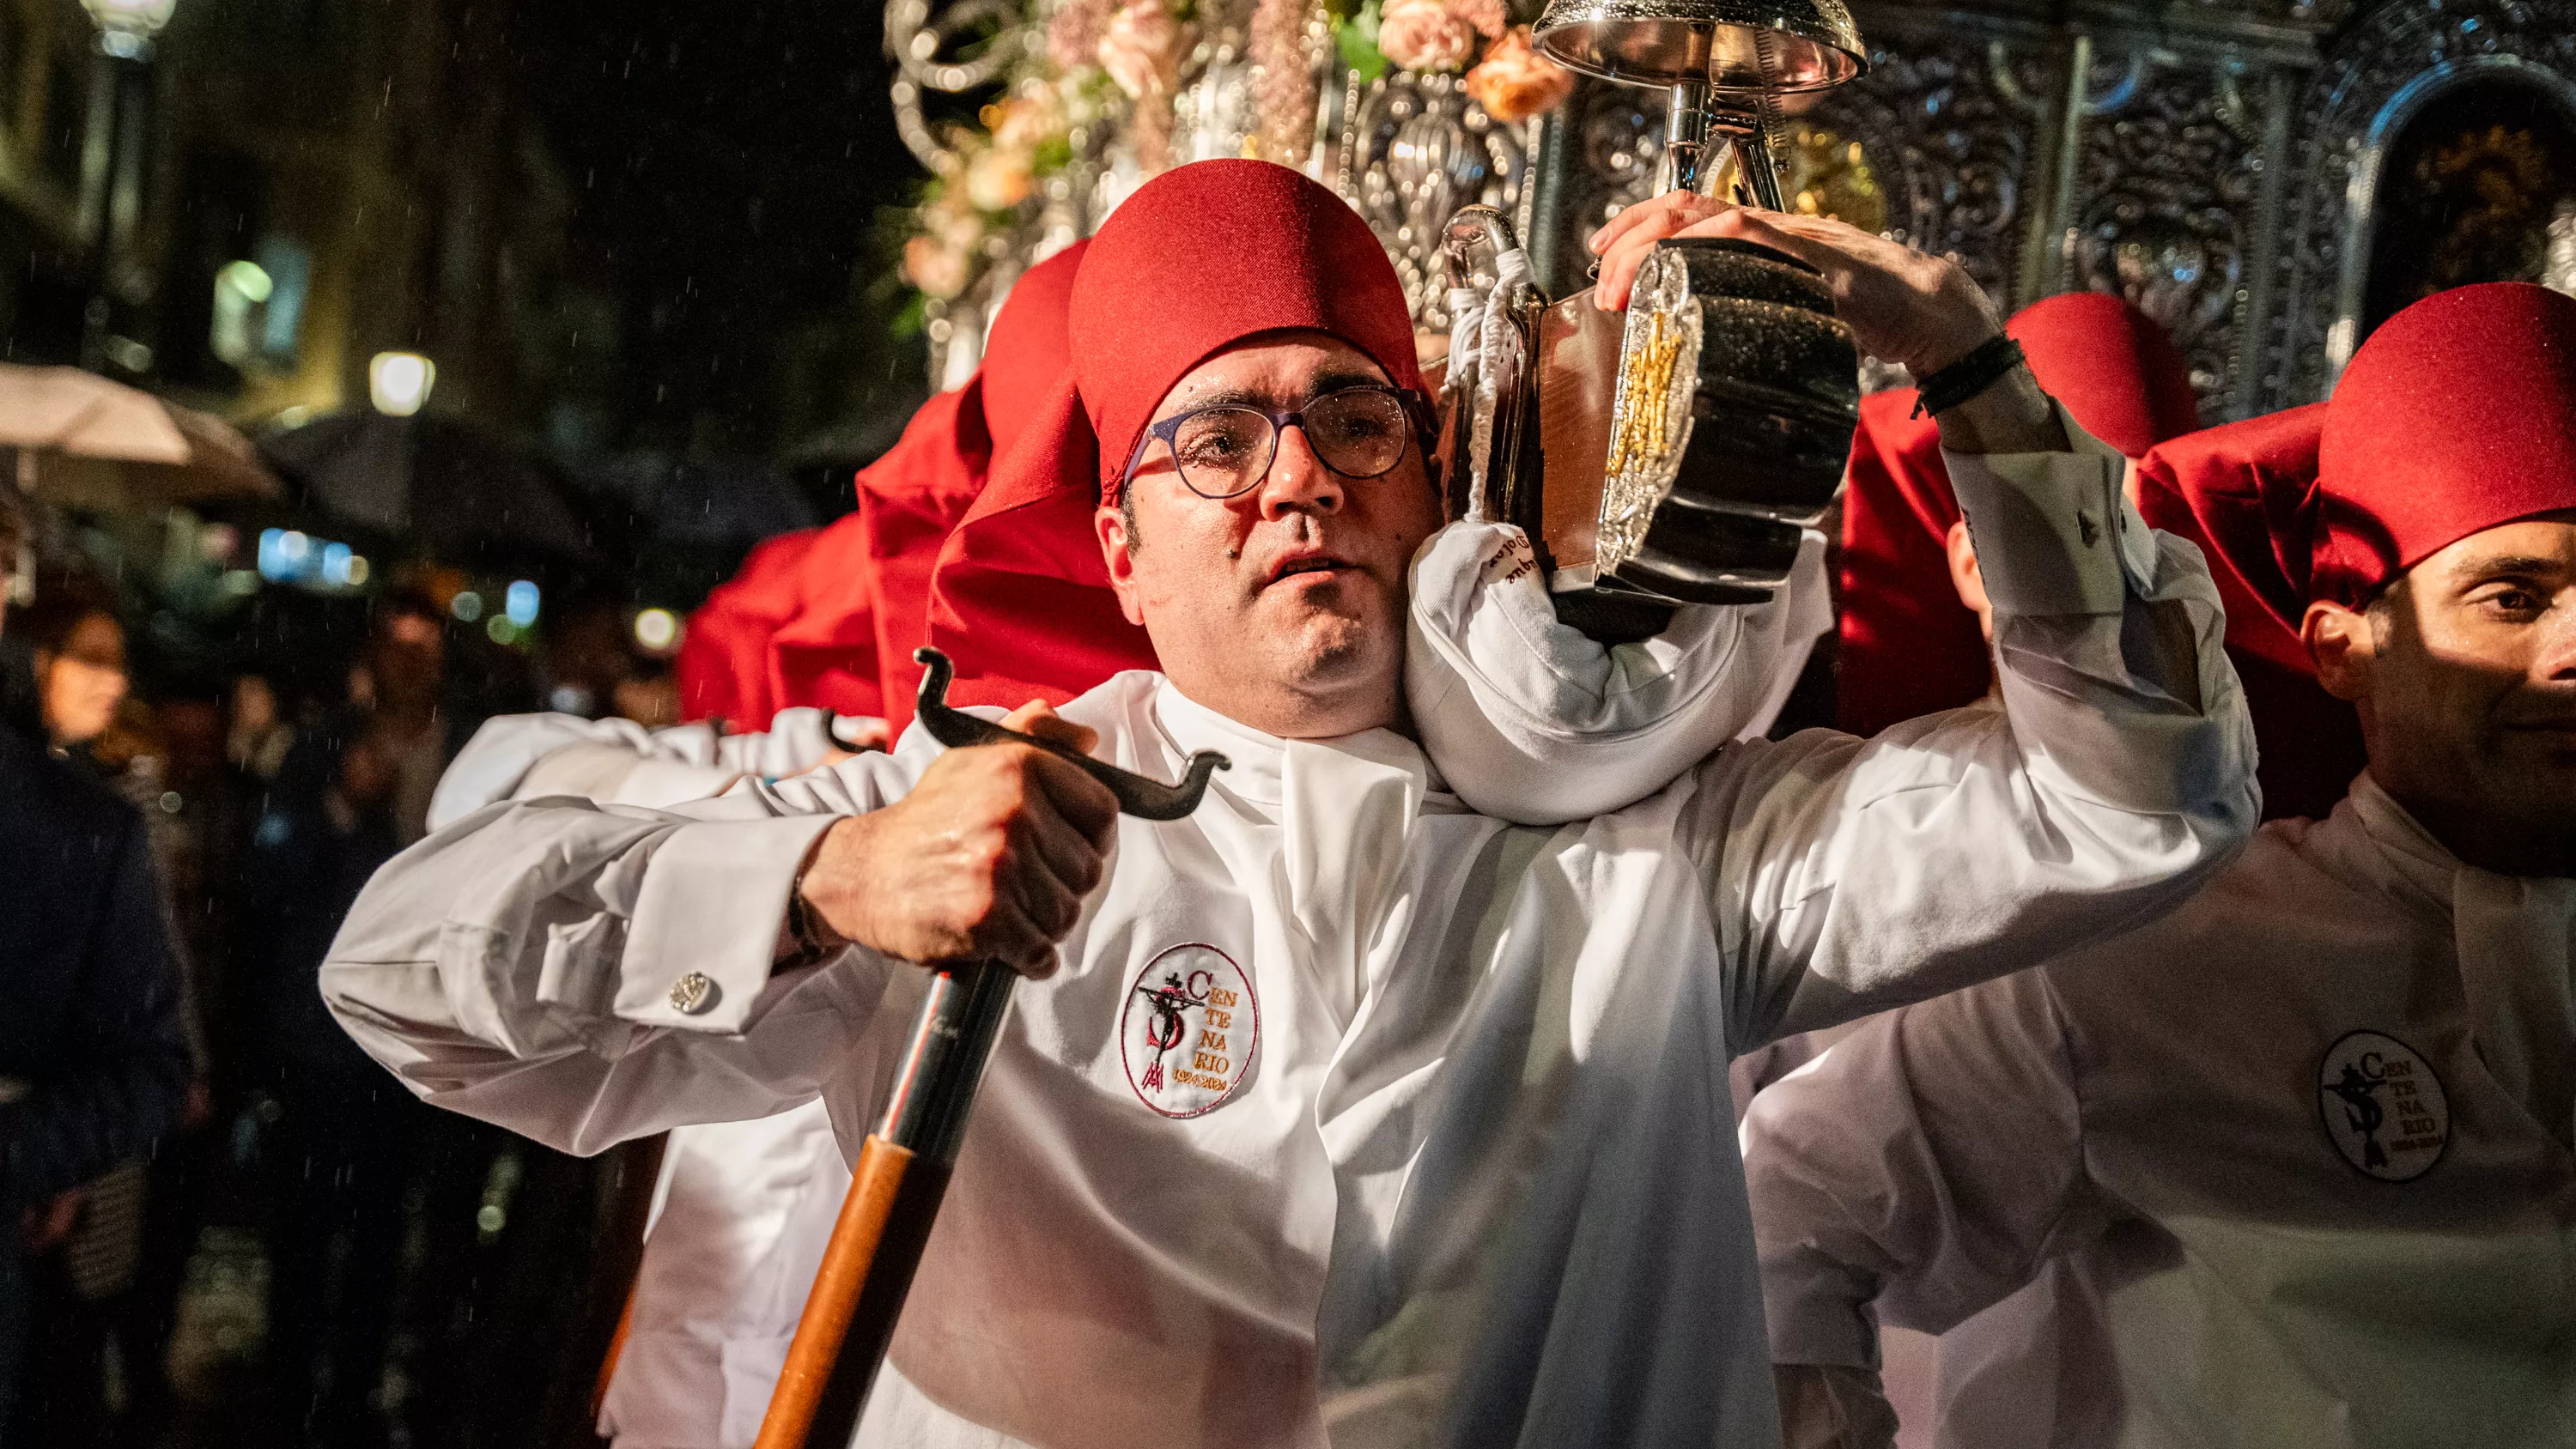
1910, 642
1335, 1110
2291, 1165
829, 618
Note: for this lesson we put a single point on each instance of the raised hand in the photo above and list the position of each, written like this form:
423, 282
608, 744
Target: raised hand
1919, 312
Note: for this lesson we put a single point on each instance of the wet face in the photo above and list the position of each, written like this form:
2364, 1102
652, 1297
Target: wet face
2464, 674
83, 681
1281, 607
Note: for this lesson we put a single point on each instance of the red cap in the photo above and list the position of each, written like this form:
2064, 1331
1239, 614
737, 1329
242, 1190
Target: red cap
1197, 259
2238, 491
866, 582
1028, 348
2457, 415
1908, 646
2113, 367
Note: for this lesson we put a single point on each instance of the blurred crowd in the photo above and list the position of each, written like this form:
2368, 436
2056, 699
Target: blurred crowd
307, 1241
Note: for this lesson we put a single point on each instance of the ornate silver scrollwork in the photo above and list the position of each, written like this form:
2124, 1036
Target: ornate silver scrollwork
2351, 106
916, 36
1950, 148
1412, 150
2166, 180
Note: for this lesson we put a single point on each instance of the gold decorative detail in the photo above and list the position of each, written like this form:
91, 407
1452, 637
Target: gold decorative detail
1639, 431
1830, 176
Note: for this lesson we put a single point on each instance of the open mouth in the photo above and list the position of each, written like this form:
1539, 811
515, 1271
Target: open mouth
1308, 564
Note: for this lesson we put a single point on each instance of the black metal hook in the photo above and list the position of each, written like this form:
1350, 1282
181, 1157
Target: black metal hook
1144, 798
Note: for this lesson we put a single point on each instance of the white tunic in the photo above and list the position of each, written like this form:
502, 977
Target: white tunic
2287, 1167
1557, 725
741, 1210
1353, 1110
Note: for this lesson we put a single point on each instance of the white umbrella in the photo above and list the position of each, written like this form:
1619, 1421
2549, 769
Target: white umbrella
89, 442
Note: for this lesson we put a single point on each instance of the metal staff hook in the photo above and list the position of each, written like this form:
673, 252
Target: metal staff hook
1138, 796
904, 1165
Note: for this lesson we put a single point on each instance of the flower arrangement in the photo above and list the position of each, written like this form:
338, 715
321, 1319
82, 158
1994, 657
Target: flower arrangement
1117, 65
1511, 80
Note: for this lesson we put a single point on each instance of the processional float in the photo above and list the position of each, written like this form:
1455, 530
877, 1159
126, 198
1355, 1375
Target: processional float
1668, 456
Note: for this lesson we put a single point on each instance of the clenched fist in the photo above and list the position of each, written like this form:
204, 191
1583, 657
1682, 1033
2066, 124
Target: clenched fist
988, 858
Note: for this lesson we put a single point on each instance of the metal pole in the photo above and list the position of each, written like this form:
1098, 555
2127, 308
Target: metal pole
1685, 157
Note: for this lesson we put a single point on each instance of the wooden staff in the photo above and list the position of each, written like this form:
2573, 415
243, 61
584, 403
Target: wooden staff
904, 1165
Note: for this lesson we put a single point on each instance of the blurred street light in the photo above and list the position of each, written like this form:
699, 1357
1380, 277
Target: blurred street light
399, 382
126, 27
658, 630
114, 161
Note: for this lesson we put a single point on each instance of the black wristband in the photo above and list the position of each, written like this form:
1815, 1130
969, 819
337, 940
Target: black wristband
808, 932
1983, 367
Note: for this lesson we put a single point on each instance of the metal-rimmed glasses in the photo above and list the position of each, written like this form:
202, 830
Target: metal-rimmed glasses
1225, 450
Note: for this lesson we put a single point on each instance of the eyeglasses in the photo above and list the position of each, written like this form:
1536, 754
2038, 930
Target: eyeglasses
1226, 450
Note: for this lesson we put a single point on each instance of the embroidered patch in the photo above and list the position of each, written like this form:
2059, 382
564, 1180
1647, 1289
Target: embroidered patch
2383, 1106
1188, 1030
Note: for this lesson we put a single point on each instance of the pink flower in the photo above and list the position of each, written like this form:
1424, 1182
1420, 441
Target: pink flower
1424, 35
1485, 15
1515, 82
1141, 50
933, 268
954, 223
1074, 31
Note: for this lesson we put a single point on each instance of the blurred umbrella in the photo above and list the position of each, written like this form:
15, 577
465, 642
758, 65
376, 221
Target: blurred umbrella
718, 503
434, 485
86, 441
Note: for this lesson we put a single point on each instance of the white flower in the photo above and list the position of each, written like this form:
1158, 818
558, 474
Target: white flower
998, 178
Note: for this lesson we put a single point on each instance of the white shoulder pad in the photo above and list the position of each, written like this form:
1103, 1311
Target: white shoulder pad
1529, 720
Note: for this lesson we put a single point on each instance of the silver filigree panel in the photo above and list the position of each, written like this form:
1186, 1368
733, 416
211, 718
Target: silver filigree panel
2354, 95
2166, 183
1953, 154
1411, 150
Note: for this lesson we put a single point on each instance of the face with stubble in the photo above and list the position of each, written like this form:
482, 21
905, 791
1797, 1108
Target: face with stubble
2464, 673
1281, 607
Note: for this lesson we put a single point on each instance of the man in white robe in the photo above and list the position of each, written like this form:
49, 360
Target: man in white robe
2291, 1165
1440, 1151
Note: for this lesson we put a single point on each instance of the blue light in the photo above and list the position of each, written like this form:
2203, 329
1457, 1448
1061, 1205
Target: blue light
519, 605
285, 555
335, 563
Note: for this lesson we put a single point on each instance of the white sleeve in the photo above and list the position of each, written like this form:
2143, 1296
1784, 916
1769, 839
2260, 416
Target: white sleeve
1529, 720
1921, 1170
619, 762
585, 973
1846, 876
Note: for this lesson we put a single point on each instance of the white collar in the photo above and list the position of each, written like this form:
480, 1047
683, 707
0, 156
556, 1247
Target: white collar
1259, 761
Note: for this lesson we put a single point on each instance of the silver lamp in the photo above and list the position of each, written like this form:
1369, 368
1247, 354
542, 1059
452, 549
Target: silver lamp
1726, 63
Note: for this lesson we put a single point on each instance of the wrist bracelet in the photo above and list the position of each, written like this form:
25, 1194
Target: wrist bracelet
1983, 367
802, 925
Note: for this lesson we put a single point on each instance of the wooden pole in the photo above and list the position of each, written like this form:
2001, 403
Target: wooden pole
885, 1221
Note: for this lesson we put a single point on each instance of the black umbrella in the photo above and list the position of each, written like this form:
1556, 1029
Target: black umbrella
436, 486
718, 503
